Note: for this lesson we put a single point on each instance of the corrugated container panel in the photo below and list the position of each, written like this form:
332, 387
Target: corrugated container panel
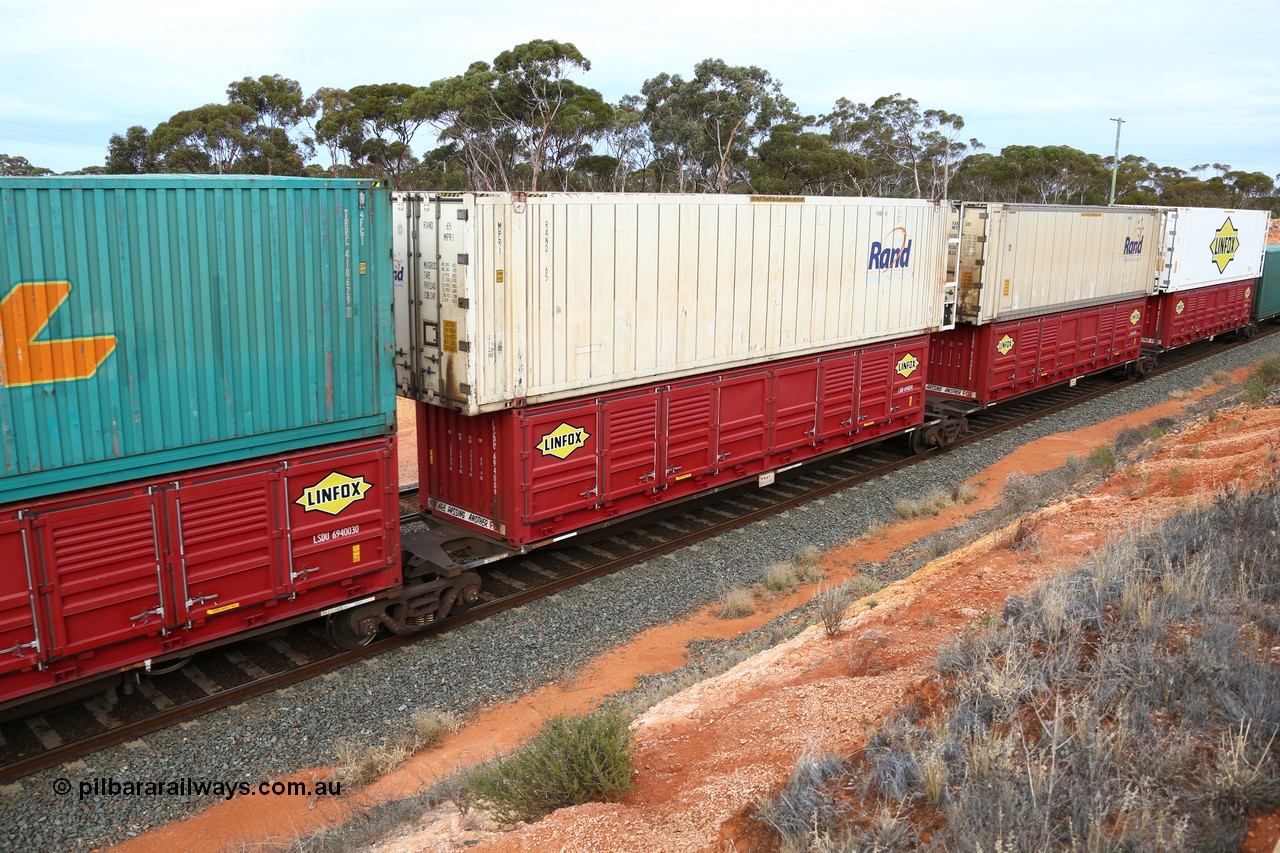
1205, 246
153, 324
1019, 260
1268, 298
505, 299
532, 473
240, 546
1008, 358
1185, 316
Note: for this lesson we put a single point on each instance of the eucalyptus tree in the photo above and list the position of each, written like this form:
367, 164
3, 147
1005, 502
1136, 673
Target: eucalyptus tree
335, 125
213, 138
629, 146
390, 115
130, 153
13, 166
280, 108
706, 129
796, 161
908, 152
521, 116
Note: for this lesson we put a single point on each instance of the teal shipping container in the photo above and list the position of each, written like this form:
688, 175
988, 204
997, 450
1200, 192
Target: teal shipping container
1267, 303
156, 324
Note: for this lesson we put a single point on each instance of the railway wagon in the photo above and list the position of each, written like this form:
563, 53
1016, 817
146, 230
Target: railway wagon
1047, 293
196, 413
1210, 261
577, 357
508, 299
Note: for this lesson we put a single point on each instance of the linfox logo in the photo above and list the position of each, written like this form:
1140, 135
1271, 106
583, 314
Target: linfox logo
1135, 317
894, 253
1222, 248
1180, 307
562, 441
1133, 245
907, 365
1005, 346
333, 494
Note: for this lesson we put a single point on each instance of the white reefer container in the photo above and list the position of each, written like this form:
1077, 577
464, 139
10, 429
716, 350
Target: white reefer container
504, 299
1018, 260
1203, 246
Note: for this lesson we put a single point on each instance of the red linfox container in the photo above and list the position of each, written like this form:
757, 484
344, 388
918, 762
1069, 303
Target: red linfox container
532, 474
102, 580
1185, 316
996, 361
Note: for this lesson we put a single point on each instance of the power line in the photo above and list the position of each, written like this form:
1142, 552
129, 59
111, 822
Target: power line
52, 129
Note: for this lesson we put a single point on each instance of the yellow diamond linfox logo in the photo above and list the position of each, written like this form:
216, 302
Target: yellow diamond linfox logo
1222, 248
1135, 317
562, 441
907, 365
333, 494
1005, 345
1180, 307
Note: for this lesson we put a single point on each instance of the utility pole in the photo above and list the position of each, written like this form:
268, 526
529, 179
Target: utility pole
1115, 163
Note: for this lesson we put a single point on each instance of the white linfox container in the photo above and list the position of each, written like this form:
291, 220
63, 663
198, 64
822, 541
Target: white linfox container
1018, 260
504, 299
1203, 246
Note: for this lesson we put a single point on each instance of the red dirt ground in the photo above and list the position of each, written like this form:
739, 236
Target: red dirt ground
705, 756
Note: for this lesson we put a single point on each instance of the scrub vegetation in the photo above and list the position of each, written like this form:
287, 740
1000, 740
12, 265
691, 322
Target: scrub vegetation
1163, 648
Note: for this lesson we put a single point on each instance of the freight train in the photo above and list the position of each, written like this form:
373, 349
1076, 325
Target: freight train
198, 377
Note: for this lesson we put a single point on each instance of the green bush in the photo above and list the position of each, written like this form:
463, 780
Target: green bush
572, 760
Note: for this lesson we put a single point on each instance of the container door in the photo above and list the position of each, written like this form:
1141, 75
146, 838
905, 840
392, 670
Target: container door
835, 409
875, 386
561, 461
690, 415
224, 540
629, 447
744, 418
101, 573
966, 257
338, 510
19, 635
446, 256
795, 405
407, 276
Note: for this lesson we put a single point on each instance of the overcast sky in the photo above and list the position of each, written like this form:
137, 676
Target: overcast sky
1195, 82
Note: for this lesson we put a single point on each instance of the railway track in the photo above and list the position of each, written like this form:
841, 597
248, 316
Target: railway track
231, 674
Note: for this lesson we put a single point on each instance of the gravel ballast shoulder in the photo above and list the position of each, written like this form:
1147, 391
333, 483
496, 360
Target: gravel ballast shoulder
373, 702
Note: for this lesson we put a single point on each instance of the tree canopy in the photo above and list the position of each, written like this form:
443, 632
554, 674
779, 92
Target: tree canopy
525, 120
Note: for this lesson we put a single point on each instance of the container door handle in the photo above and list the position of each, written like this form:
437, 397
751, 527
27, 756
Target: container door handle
647, 477
302, 575
813, 431
720, 457
591, 492
201, 599
145, 616
675, 469
17, 650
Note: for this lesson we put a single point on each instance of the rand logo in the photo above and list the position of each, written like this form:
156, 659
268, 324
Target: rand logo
24, 313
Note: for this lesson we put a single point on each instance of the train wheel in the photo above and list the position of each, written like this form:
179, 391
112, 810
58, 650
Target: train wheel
920, 441
346, 631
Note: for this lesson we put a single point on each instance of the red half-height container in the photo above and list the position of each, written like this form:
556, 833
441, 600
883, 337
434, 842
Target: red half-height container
531, 474
1186, 316
997, 361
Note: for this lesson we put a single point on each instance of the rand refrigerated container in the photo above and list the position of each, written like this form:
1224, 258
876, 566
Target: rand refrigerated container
507, 299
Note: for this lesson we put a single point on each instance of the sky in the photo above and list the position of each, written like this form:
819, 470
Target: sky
1195, 82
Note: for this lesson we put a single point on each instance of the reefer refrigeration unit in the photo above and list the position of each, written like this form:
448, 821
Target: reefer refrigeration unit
507, 299
1210, 260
